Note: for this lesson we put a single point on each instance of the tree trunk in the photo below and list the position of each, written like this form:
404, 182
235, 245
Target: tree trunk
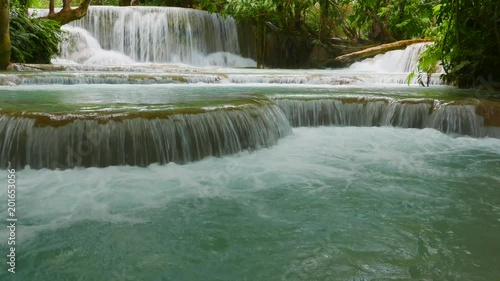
297, 17
380, 24
380, 32
324, 19
4, 35
66, 5
373, 51
51, 7
261, 42
68, 15
385, 25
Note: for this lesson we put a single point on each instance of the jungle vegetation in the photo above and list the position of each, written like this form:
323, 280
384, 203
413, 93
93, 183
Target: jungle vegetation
29, 39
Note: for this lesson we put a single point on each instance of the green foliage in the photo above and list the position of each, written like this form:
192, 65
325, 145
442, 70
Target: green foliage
467, 41
104, 2
389, 20
410, 77
33, 40
321, 19
258, 12
44, 4
411, 18
254, 10
169, 3
213, 6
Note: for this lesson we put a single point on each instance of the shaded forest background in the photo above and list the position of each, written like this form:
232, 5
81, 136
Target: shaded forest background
466, 34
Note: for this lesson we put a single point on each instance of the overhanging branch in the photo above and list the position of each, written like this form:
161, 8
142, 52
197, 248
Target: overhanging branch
67, 15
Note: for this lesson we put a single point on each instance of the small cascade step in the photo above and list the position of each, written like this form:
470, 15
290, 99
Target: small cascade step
471, 118
67, 141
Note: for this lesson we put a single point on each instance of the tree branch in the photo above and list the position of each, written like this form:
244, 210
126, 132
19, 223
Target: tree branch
68, 15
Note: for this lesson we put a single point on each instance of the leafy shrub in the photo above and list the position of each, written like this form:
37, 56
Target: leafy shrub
33, 40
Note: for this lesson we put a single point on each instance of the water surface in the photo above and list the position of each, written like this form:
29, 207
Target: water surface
326, 203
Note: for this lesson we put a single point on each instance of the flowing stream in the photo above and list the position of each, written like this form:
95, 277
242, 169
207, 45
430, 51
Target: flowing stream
144, 153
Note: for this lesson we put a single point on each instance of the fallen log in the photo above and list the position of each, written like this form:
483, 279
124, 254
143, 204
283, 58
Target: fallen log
373, 51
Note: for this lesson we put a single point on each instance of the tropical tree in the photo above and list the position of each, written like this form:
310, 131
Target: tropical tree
391, 20
467, 42
33, 40
4, 34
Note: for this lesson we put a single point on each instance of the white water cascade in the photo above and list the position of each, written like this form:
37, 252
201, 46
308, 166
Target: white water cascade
80, 47
153, 35
151, 45
395, 66
393, 61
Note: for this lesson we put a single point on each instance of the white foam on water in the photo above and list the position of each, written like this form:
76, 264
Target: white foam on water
393, 61
229, 60
80, 47
145, 74
333, 157
395, 66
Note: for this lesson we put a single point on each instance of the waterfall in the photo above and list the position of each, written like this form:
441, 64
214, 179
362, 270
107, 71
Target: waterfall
80, 47
69, 141
65, 140
450, 118
393, 61
104, 78
159, 35
154, 74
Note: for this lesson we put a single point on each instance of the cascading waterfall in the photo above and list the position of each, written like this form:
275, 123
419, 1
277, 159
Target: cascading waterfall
106, 78
133, 74
69, 141
86, 74
158, 35
80, 47
393, 61
449, 118
107, 47
185, 135
398, 63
